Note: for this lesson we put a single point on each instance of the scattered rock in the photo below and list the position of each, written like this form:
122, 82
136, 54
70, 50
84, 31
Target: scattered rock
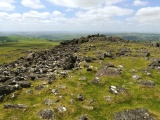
108, 71
137, 114
16, 106
123, 51
54, 91
91, 101
6, 89
62, 109
95, 80
24, 84
46, 114
108, 98
48, 102
108, 54
39, 87
89, 59
88, 107
147, 83
82, 78
29, 92
136, 77
113, 89
2, 98
147, 54
89, 68
155, 64
82, 117
117, 89
80, 97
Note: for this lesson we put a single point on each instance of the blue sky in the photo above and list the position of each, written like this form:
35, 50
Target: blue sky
80, 15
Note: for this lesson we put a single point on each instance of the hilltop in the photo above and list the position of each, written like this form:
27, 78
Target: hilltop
96, 77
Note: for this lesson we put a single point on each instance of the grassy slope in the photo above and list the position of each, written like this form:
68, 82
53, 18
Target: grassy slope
136, 97
11, 51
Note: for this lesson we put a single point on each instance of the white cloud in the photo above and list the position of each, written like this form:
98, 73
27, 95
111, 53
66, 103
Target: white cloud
84, 3
57, 13
140, 3
34, 17
35, 4
87, 19
6, 5
103, 15
148, 15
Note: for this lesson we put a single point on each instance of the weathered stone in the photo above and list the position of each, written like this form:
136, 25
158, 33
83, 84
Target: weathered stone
82, 117
39, 87
80, 97
24, 84
136, 77
155, 64
89, 59
16, 106
46, 114
117, 89
137, 114
62, 109
33, 77
48, 102
147, 83
2, 98
29, 91
113, 89
108, 71
54, 91
95, 80
147, 54
90, 68
6, 90
108, 54
122, 51
30, 57
82, 78
10, 82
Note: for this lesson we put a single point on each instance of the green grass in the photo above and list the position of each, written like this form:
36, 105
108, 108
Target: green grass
11, 51
135, 97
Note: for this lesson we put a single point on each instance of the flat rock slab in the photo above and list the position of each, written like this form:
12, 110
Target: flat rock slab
46, 114
147, 83
137, 114
16, 106
107, 71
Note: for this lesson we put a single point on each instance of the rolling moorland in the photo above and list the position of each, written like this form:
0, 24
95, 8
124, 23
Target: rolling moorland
95, 77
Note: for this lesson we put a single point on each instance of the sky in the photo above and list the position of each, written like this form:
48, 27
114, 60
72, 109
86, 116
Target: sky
80, 15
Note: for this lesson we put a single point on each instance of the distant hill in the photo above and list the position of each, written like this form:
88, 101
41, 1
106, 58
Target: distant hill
61, 36
4, 39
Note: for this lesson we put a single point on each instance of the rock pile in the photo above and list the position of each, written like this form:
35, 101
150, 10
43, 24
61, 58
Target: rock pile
46, 64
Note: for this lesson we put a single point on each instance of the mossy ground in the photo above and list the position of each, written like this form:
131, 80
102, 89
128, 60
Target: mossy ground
135, 97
